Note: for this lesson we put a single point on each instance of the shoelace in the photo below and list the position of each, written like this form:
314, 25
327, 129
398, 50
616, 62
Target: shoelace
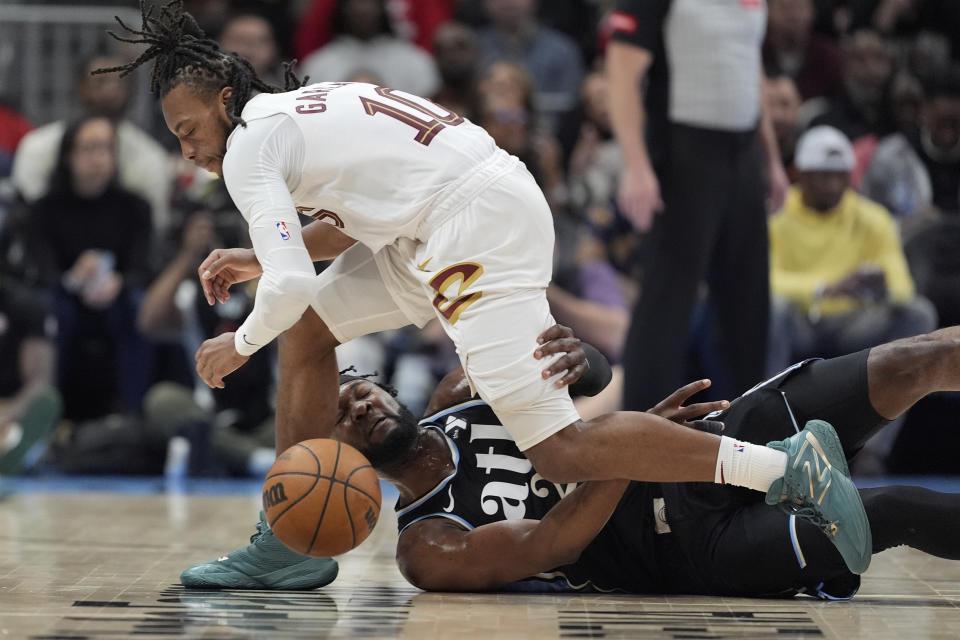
806, 512
261, 531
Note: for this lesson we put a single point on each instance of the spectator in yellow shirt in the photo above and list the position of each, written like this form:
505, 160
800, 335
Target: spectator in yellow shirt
839, 278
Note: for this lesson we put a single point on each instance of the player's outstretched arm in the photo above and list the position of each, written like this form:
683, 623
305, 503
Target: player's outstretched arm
673, 407
436, 554
256, 168
224, 268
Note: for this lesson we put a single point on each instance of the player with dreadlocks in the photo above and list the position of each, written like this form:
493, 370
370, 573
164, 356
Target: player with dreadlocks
193, 76
427, 218
186, 57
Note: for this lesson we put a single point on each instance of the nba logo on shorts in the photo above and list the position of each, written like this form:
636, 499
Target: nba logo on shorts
282, 228
738, 448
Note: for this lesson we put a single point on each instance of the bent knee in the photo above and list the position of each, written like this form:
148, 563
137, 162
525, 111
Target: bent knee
557, 458
911, 363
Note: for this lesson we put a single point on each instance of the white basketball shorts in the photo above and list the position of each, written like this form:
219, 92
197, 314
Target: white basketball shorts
484, 274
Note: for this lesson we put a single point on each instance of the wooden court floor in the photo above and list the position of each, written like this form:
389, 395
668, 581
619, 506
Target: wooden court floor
101, 564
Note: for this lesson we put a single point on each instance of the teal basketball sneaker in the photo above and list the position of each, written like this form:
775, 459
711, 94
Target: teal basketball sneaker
817, 487
265, 564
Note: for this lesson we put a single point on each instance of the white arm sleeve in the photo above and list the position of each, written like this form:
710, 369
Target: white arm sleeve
263, 163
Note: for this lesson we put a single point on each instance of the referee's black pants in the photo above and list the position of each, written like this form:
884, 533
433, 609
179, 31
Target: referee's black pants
713, 229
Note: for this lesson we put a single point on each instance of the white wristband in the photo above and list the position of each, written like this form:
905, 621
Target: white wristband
243, 346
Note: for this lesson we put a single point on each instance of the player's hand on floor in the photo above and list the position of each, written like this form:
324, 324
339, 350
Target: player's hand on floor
560, 339
226, 267
672, 407
217, 358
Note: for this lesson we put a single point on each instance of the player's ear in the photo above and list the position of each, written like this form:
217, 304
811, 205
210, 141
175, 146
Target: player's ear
225, 95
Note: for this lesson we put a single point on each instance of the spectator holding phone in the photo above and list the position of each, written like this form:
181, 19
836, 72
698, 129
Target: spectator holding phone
89, 239
839, 277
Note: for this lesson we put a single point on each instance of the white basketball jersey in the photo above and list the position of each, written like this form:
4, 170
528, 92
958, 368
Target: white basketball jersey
379, 164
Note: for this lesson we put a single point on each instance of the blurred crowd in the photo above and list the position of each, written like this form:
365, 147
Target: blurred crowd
103, 224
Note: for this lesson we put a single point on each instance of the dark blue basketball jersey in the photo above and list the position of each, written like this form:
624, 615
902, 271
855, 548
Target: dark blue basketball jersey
493, 481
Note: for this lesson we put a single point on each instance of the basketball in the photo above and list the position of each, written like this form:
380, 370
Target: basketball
321, 497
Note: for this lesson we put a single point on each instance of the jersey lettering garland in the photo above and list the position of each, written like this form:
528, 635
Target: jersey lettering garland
316, 98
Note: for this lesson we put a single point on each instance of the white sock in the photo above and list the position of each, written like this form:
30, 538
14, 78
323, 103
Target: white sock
748, 465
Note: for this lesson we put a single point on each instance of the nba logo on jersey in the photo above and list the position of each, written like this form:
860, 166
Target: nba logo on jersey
282, 228
738, 448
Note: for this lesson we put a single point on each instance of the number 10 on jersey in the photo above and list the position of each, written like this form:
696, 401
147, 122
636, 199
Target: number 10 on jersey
424, 120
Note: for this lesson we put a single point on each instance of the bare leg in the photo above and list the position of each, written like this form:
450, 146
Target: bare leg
307, 390
899, 373
630, 445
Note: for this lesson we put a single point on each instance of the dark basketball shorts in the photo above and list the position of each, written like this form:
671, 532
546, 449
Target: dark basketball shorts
726, 540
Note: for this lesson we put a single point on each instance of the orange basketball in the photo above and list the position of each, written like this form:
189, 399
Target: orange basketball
321, 497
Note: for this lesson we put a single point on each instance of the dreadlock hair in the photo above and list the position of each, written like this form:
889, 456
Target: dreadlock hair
183, 53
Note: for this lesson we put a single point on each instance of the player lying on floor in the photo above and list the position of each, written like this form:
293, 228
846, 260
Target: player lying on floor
474, 515
391, 435
425, 217
424, 220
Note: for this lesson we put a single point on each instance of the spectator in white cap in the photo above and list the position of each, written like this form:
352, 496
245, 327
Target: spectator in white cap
824, 160
838, 275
